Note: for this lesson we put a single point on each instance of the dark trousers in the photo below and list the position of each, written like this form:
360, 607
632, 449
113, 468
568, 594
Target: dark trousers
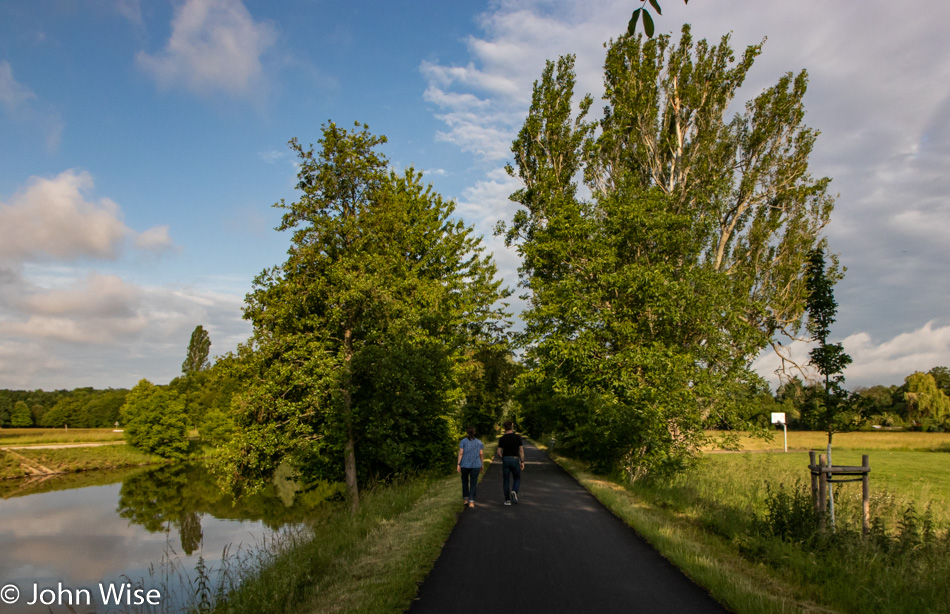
469, 482
511, 466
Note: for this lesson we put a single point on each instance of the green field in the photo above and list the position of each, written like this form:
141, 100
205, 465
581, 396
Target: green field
23, 437
865, 441
713, 522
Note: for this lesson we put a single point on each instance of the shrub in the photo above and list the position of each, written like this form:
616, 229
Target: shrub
155, 420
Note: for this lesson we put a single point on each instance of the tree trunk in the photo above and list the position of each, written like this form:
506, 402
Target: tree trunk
349, 451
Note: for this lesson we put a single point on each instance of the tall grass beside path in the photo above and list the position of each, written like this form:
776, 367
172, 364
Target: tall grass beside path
371, 562
368, 563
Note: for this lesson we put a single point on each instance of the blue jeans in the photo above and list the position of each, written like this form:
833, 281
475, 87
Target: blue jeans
469, 482
510, 465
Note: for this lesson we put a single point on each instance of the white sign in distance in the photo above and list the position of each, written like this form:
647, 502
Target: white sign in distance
778, 417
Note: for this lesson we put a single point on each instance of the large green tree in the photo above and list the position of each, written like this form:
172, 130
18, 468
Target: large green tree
358, 335
650, 297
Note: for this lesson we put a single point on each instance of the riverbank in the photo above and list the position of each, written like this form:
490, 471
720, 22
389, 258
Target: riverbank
368, 563
40, 460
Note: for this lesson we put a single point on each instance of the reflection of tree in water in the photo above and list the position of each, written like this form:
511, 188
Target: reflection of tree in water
189, 528
179, 495
161, 499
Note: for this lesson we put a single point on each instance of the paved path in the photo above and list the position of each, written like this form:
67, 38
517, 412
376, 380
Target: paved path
559, 550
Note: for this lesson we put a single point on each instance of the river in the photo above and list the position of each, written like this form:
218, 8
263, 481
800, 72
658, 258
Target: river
81, 537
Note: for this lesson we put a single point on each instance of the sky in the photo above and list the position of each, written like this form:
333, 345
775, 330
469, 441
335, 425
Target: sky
143, 145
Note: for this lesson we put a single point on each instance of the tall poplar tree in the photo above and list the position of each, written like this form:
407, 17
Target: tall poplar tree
650, 298
199, 347
357, 336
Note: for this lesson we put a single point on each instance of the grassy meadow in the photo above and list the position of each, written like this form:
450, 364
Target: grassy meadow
864, 441
30, 436
717, 522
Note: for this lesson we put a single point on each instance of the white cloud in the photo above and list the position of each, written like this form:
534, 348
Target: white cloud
131, 10
12, 94
877, 91
875, 362
20, 103
103, 330
214, 45
52, 219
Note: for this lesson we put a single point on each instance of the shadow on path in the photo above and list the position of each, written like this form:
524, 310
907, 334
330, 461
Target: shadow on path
559, 550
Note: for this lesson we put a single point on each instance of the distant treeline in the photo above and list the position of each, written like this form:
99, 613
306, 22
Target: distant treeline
79, 408
92, 408
921, 403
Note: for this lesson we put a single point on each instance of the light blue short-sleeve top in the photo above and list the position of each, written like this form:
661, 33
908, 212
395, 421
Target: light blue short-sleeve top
470, 448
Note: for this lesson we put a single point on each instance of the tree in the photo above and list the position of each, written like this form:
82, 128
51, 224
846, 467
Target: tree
650, 298
486, 383
829, 359
154, 419
941, 377
359, 334
21, 415
198, 348
926, 403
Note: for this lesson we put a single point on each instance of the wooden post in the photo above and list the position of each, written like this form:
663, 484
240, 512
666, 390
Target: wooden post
813, 462
822, 491
866, 495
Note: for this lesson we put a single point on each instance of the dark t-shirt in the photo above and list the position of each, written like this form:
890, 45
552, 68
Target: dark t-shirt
509, 444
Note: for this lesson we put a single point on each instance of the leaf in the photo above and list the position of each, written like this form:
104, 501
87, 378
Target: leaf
632, 26
647, 24
656, 5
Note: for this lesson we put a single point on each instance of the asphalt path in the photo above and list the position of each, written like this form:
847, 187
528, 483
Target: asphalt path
558, 550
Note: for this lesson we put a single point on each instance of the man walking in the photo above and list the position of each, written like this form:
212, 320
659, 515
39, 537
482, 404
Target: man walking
511, 451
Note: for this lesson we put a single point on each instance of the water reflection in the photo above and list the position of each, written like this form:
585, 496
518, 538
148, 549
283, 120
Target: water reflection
101, 527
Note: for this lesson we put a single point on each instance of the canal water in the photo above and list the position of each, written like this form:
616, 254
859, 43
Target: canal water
87, 536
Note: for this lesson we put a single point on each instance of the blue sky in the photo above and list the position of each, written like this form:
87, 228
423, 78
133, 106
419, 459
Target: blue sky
142, 144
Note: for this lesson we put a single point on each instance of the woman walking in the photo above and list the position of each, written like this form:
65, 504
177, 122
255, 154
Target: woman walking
471, 457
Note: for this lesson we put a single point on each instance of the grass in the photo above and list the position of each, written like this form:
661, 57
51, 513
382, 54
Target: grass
371, 562
368, 563
897, 478
27, 436
70, 460
10, 466
64, 481
859, 440
710, 523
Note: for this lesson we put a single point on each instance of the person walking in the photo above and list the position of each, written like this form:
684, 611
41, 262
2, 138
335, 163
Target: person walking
470, 461
511, 451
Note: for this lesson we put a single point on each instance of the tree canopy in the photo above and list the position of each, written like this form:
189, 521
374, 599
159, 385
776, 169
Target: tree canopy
649, 298
358, 336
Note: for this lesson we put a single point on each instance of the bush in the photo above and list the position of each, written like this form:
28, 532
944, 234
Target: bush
155, 421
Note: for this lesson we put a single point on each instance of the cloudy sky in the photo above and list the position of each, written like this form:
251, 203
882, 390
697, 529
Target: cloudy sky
143, 144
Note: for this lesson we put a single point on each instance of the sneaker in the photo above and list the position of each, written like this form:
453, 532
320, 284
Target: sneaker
514, 497
507, 502
471, 504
